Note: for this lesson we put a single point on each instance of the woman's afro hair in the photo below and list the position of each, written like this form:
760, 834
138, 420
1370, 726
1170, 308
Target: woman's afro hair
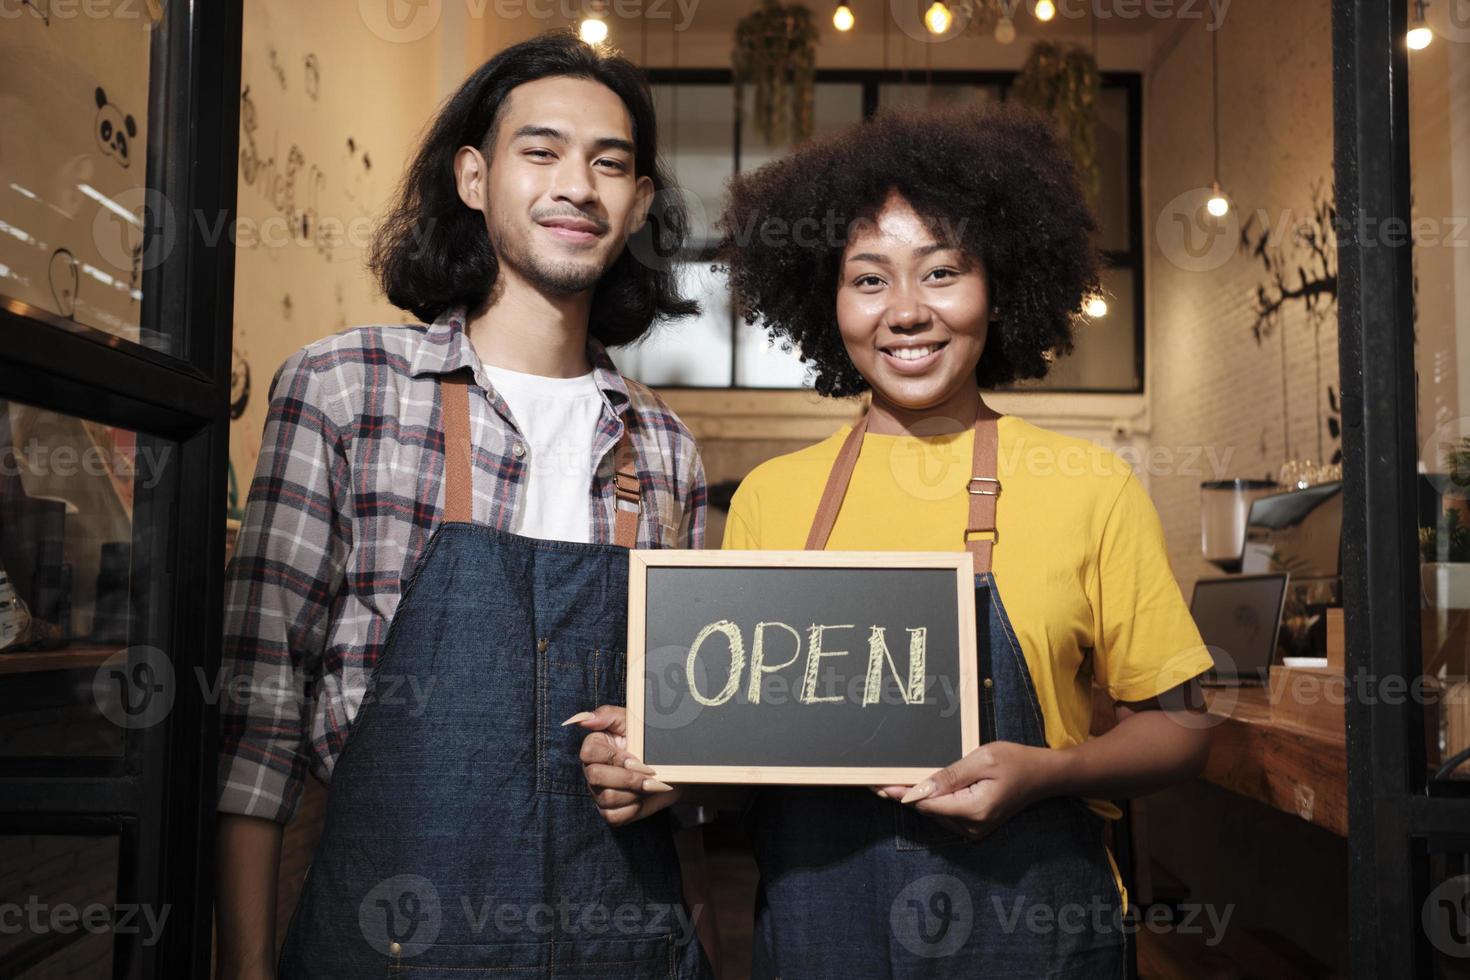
995, 181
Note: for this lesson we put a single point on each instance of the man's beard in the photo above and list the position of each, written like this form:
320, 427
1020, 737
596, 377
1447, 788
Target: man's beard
555, 278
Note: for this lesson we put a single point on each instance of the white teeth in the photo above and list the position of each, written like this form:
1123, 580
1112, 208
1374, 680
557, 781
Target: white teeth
913, 353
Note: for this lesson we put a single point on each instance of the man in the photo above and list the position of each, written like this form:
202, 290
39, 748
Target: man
432, 562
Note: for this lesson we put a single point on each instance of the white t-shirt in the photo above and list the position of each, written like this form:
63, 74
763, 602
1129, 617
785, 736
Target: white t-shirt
558, 417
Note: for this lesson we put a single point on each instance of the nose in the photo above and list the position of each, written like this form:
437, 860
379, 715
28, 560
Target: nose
574, 184
905, 311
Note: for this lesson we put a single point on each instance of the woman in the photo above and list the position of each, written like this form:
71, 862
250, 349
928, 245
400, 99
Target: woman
965, 258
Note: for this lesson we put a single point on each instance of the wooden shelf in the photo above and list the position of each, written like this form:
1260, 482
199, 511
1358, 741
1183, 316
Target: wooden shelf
66, 658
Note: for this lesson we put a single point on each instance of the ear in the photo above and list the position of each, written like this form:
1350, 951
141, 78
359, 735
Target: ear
470, 171
132, 127
642, 203
101, 97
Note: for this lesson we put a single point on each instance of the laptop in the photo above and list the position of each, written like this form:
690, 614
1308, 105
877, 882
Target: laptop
1239, 617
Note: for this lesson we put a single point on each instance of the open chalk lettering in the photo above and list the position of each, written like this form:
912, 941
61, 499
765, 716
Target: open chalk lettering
910, 681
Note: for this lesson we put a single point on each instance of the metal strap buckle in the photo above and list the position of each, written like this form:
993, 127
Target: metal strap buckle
994, 535
983, 493
625, 485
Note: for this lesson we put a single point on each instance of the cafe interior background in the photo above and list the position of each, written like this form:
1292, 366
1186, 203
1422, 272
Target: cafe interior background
1211, 361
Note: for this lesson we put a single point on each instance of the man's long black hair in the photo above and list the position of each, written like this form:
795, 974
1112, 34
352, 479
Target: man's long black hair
433, 252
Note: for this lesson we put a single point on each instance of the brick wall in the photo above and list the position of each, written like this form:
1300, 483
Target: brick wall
1210, 384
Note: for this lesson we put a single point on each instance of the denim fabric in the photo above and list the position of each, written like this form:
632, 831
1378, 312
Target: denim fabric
460, 837
858, 886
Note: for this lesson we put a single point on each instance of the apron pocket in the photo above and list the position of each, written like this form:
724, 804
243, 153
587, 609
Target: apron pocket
584, 959
567, 681
460, 962
914, 831
615, 959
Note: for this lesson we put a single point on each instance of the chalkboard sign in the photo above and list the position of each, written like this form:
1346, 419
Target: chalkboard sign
815, 667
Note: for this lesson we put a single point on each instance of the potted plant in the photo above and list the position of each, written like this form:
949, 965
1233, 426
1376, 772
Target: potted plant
1064, 83
1445, 574
776, 51
1457, 489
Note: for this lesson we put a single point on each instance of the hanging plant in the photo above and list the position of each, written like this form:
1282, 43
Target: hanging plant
776, 51
1065, 85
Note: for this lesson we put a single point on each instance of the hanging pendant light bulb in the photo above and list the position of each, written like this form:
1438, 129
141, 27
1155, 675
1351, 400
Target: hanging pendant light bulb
1218, 204
1420, 35
938, 18
593, 28
1005, 31
1045, 10
1096, 307
842, 17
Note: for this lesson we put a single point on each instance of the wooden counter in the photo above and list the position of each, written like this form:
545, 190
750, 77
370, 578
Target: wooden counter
1297, 771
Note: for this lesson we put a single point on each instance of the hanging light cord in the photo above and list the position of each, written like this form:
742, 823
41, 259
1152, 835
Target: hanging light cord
1215, 94
674, 135
928, 73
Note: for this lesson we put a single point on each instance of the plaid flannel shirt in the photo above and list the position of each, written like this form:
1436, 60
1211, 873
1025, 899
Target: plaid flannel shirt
348, 489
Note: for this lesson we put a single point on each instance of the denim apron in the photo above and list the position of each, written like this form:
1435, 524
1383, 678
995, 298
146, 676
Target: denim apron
460, 837
854, 885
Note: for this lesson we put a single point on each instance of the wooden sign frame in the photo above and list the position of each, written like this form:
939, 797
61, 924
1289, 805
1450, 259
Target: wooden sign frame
641, 560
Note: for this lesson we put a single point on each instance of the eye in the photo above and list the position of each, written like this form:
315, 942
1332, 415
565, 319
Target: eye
541, 154
944, 273
617, 166
867, 280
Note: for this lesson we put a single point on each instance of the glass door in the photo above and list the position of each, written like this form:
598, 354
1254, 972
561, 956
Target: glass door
116, 277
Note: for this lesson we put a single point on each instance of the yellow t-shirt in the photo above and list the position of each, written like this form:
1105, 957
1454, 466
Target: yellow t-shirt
1079, 561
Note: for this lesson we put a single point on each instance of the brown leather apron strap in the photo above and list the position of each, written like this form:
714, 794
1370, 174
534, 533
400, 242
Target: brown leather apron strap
454, 408
983, 488
454, 394
627, 496
836, 489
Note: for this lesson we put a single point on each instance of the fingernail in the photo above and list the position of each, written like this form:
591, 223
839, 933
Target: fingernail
636, 766
621, 741
654, 786
919, 792
578, 717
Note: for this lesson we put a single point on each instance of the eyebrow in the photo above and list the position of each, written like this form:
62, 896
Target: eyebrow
919, 253
552, 133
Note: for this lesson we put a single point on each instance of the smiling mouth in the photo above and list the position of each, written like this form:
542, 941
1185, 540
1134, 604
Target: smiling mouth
576, 232
914, 354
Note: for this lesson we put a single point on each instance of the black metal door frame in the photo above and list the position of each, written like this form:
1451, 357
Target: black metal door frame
1393, 812
158, 796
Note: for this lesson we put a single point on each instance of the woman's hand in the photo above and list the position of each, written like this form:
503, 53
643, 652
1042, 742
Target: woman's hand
1156, 743
984, 789
625, 789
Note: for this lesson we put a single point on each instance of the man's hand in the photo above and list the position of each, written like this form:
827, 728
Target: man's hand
625, 789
